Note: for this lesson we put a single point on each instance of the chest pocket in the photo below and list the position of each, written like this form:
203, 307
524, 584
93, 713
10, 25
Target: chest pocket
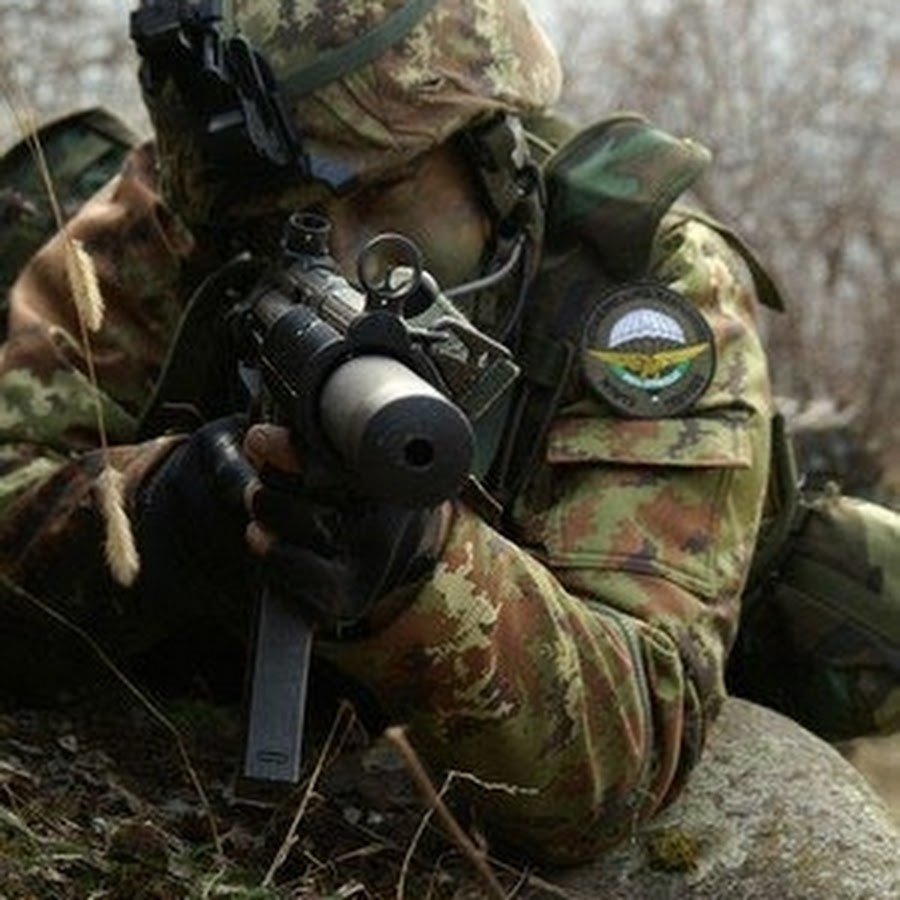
673, 498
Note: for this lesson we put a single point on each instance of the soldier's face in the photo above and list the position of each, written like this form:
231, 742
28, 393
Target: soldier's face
433, 201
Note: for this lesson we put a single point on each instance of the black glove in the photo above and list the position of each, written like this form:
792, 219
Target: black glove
191, 519
340, 557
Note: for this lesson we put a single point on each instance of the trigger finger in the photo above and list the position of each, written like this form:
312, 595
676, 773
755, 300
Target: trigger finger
291, 516
270, 447
259, 539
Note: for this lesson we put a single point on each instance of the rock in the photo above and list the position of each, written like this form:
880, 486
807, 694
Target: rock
771, 811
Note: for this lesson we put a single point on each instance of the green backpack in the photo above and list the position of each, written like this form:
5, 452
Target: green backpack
820, 629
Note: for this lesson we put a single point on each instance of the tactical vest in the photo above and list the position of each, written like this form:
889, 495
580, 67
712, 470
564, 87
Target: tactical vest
608, 188
820, 630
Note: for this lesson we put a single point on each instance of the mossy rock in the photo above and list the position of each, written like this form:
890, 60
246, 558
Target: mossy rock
771, 811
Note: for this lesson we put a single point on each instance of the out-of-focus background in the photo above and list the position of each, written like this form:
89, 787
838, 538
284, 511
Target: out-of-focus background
800, 104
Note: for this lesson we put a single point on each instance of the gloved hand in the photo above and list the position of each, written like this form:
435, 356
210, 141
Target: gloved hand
341, 557
191, 518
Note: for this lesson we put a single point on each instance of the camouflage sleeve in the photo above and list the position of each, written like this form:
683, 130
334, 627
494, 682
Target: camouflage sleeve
50, 412
572, 675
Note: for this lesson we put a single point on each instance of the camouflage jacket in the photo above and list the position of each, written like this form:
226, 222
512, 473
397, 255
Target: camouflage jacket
579, 664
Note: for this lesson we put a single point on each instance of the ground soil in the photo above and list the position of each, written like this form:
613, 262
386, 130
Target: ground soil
101, 800
110, 797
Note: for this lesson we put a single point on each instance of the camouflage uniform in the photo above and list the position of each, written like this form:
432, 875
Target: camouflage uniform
83, 151
571, 663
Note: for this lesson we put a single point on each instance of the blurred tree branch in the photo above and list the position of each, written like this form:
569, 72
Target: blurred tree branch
68, 54
799, 103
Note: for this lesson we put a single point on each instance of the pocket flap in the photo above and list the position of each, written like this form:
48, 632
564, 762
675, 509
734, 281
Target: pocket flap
704, 442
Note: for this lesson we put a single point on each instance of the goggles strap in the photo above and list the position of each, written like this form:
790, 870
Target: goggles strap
336, 63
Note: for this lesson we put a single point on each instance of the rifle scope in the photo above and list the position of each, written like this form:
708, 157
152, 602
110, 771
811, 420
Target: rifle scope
348, 376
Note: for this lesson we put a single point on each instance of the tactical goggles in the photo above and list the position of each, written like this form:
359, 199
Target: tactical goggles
232, 93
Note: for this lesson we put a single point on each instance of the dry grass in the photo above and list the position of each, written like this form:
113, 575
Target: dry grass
94, 801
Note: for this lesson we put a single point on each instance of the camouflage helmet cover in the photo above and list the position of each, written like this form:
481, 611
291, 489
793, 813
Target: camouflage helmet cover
463, 60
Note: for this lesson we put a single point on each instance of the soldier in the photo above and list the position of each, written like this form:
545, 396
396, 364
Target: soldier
561, 626
83, 150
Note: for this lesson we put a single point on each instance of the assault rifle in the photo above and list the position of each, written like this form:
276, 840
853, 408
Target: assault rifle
382, 389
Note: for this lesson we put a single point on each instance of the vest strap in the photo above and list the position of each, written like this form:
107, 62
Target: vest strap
334, 64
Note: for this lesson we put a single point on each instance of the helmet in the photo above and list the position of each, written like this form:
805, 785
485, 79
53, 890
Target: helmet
337, 91
83, 149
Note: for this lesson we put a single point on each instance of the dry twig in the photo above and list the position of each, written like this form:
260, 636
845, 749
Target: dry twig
89, 305
434, 799
133, 689
332, 745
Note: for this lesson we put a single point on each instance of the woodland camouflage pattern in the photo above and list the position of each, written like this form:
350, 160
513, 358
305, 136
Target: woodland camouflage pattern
583, 670
83, 151
462, 62
572, 666
583, 673
602, 183
819, 641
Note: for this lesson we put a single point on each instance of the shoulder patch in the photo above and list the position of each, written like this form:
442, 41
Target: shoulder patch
647, 351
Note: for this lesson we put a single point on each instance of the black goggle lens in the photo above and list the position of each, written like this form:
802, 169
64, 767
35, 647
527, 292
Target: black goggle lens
227, 84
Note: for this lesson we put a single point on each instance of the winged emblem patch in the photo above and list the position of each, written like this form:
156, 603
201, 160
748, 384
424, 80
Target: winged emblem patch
647, 351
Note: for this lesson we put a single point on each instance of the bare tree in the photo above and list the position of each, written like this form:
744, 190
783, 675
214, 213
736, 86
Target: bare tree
60, 55
799, 104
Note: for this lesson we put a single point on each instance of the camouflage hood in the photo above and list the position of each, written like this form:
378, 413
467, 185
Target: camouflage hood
460, 62
83, 150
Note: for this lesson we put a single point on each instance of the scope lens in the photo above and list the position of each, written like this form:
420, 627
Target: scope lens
419, 453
